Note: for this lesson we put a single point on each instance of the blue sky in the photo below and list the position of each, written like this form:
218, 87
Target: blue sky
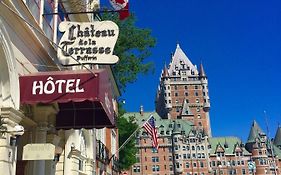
239, 43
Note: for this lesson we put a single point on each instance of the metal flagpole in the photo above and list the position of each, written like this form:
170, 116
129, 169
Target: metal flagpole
129, 138
270, 143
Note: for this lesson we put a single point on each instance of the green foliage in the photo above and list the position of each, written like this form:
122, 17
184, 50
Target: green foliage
127, 155
133, 47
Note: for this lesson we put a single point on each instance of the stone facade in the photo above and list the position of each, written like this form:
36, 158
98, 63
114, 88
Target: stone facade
28, 45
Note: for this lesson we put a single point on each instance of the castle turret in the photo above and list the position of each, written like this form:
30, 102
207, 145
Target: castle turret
183, 92
277, 138
205, 91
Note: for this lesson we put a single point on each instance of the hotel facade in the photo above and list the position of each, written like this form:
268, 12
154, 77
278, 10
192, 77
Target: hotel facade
74, 136
186, 145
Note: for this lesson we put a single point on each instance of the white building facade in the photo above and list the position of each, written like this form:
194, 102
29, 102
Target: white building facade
28, 45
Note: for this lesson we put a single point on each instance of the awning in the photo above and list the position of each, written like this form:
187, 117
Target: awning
84, 98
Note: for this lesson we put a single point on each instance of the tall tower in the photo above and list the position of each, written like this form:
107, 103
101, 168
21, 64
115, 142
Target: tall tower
183, 92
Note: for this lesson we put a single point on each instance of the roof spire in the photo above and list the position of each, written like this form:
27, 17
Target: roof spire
277, 139
202, 71
165, 73
254, 132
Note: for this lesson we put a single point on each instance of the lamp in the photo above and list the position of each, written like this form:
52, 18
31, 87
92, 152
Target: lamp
17, 131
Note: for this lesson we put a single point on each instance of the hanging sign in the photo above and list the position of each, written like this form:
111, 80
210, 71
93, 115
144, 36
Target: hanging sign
88, 43
38, 151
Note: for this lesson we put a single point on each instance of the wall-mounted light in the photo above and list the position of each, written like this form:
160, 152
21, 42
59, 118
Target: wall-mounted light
15, 133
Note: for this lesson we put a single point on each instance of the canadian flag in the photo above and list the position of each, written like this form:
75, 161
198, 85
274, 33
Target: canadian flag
122, 6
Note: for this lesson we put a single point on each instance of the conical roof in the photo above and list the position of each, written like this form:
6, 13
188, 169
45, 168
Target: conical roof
277, 139
165, 71
254, 132
202, 71
180, 61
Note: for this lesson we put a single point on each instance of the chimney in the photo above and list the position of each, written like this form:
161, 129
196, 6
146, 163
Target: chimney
141, 110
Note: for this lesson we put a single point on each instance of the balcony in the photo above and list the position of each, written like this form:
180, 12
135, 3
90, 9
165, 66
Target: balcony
102, 152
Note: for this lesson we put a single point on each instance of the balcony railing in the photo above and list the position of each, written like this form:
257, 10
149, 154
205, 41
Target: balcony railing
102, 152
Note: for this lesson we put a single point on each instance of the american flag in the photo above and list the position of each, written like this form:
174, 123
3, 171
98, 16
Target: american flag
149, 126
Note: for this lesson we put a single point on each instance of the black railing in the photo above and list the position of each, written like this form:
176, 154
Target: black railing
102, 152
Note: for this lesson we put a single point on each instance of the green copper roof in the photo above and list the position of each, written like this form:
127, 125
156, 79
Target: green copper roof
254, 132
231, 142
277, 139
162, 124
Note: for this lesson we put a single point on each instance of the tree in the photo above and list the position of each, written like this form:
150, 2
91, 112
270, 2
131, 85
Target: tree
127, 155
133, 47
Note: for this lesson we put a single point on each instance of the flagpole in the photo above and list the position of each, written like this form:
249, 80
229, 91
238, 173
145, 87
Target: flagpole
129, 138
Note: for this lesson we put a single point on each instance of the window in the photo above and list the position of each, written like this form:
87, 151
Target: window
196, 94
187, 165
176, 87
81, 165
185, 87
154, 150
193, 155
155, 168
171, 167
48, 20
201, 164
155, 159
203, 155
136, 169
194, 164
186, 94
177, 165
176, 94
